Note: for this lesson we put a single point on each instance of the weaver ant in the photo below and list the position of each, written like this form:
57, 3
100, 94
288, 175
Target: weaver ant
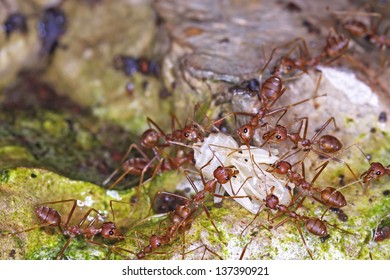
182, 217
156, 140
315, 226
87, 227
329, 197
379, 234
336, 45
376, 170
358, 28
247, 131
327, 144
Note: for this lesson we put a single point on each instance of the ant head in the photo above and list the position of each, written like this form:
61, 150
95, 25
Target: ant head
286, 65
224, 174
245, 133
375, 171
110, 231
271, 201
281, 167
156, 241
192, 133
149, 138
278, 134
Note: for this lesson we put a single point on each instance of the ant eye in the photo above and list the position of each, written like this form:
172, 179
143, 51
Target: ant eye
158, 244
289, 67
245, 130
278, 136
111, 232
378, 173
227, 178
186, 135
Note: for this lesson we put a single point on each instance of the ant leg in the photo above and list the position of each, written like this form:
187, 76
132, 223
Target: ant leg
244, 250
61, 253
83, 219
151, 124
303, 239
322, 167
110, 248
112, 208
135, 146
300, 233
206, 249
323, 127
147, 166
254, 218
212, 222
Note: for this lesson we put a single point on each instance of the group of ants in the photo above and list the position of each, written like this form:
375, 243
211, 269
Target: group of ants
158, 151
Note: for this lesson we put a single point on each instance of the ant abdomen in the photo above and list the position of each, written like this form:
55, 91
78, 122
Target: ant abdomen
333, 198
47, 215
271, 89
316, 227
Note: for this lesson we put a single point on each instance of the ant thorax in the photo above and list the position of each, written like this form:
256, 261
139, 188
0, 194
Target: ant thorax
252, 183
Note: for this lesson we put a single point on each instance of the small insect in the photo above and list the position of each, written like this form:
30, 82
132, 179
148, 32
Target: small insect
184, 214
358, 28
376, 170
327, 144
315, 226
336, 45
88, 228
329, 197
156, 140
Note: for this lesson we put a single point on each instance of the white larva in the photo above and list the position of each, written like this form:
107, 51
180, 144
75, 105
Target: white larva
252, 183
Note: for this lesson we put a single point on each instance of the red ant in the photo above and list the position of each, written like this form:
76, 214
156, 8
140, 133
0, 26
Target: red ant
314, 225
156, 140
327, 144
376, 171
358, 28
49, 217
336, 45
329, 197
247, 131
182, 217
